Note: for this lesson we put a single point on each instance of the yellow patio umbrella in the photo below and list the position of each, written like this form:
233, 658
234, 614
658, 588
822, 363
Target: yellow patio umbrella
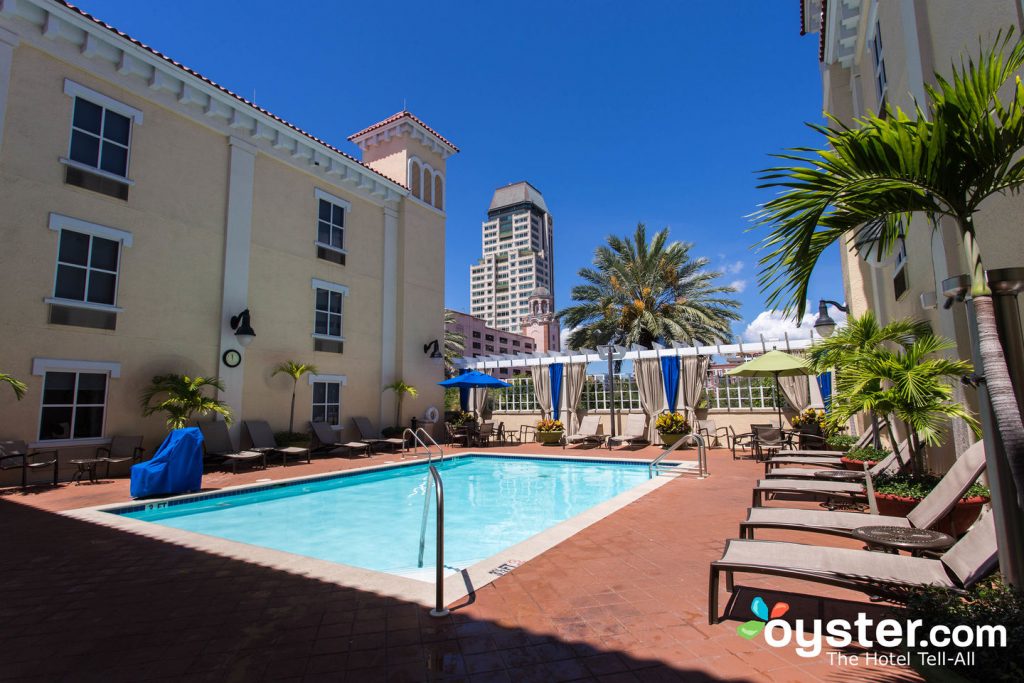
773, 364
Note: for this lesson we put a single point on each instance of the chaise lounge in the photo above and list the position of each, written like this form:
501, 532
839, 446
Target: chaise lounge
327, 441
373, 437
218, 448
591, 431
262, 439
634, 433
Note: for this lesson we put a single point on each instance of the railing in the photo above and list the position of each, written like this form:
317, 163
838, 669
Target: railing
439, 609
702, 456
419, 442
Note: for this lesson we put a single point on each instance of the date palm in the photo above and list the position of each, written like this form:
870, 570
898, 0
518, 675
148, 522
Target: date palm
16, 385
639, 292
454, 342
862, 187
295, 371
183, 398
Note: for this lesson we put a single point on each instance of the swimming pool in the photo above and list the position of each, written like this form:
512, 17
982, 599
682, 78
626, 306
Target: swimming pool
373, 519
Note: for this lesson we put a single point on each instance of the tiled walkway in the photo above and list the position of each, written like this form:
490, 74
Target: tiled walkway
623, 600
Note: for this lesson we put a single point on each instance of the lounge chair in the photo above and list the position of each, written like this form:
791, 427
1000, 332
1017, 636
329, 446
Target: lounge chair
262, 439
590, 431
953, 485
121, 449
634, 433
373, 437
872, 573
17, 455
711, 433
327, 441
894, 462
783, 456
772, 471
219, 449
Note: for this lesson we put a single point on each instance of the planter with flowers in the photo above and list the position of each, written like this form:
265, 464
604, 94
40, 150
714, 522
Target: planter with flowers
856, 458
672, 427
550, 431
813, 423
898, 494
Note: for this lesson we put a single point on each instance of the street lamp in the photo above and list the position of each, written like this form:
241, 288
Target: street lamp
611, 353
825, 325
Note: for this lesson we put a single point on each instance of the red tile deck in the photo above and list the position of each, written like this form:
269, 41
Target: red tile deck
623, 600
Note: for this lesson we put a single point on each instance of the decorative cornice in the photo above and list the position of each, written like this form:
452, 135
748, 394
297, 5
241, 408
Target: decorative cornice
75, 36
404, 124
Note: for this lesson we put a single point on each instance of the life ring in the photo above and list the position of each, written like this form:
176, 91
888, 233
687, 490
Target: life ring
431, 415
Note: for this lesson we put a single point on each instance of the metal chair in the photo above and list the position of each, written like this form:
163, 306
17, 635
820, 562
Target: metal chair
16, 454
121, 449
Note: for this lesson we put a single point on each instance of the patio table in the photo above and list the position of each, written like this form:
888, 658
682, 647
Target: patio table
895, 538
86, 466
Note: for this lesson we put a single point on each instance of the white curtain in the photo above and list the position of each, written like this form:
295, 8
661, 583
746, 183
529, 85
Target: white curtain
574, 376
542, 388
796, 391
650, 387
693, 371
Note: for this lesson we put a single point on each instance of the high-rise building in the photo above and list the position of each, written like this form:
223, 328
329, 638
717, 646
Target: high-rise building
517, 257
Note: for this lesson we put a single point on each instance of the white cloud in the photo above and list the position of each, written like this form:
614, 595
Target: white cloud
772, 325
565, 337
733, 268
738, 285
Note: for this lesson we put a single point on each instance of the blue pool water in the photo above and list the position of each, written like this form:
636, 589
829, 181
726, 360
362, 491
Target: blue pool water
373, 519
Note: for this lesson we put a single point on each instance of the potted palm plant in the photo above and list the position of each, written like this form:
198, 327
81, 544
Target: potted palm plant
550, 431
898, 494
183, 398
401, 390
672, 427
295, 371
867, 456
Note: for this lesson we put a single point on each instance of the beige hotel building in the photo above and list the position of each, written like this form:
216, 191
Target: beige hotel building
145, 207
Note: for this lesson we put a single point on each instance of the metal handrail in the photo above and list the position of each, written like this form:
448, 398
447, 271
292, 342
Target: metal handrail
439, 609
429, 438
419, 442
702, 455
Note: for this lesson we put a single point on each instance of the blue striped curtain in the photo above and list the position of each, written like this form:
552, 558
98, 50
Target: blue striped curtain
670, 376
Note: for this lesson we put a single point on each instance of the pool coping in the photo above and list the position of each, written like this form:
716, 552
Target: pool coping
456, 586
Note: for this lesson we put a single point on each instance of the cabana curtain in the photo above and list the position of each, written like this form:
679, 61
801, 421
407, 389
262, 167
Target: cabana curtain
542, 388
670, 377
647, 372
575, 377
556, 389
693, 371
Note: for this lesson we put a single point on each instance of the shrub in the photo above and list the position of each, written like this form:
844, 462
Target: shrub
550, 426
841, 442
672, 423
459, 418
869, 453
284, 439
917, 486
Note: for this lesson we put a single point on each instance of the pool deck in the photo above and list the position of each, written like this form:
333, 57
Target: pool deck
622, 600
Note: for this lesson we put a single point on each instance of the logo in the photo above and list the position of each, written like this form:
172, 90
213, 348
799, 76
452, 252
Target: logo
751, 628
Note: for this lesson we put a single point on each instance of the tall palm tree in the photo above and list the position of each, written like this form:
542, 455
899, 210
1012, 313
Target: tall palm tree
295, 371
861, 335
401, 389
16, 385
183, 398
454, 342
865, 183
639, 292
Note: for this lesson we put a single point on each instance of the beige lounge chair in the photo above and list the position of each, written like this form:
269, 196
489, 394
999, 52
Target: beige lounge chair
373, 437
953, 485
881, 574
635, 432
789, 457
17, 455
590, 431
262, 439
327, 441
219, 449
121, 449
712, 433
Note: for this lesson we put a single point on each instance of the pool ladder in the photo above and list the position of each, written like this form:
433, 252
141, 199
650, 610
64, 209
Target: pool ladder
654, 468
415, 434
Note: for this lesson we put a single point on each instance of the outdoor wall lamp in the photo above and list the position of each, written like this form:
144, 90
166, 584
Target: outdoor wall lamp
825, 325
436, 352
243, 328
955, 290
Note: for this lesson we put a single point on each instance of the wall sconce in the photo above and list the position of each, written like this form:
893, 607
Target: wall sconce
243, 328
825, 325
432, 348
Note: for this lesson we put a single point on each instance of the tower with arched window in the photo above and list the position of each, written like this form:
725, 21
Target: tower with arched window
540, 324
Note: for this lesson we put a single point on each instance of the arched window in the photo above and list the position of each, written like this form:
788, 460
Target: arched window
428, 184
438, 192
414, 178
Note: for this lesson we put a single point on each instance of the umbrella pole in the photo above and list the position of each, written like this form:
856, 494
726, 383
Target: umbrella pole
778, 395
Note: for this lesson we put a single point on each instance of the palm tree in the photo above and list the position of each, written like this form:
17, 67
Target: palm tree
907, 383
865, 183
295, 371
639, 292
183, 398
401, 389
454, 342
17, 385
861, 335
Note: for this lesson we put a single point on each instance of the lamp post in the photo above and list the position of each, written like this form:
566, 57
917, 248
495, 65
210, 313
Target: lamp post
825, 325
611, 353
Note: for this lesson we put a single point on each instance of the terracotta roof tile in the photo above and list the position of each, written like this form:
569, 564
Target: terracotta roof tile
395, 117
224, 90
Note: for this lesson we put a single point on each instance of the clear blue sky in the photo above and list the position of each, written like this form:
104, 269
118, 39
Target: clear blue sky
618, 112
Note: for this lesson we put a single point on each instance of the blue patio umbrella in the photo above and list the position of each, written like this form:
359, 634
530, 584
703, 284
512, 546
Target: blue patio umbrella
474, 379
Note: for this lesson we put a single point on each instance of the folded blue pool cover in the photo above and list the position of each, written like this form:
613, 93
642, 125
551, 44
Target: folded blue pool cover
177, 466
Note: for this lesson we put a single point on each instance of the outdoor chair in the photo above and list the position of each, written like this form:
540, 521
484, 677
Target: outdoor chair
327, 441
712, 433
772, 469
262, 439
953, 485
768, 441
785, 456
455, 437
121, 449
17, 455
218, 448
590, 431
482, 436
368, 434
747, 440
635, 432
875, 574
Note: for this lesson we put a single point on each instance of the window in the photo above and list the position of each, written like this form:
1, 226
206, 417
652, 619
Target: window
476, 334
415, 179
327, 317
327, 402
100, 141
74, 397
87, 268
476, 345
900, 283
881, 81
330, 227
490, 347
438, 193
489, 337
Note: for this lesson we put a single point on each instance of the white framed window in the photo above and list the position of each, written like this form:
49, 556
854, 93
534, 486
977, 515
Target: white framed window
328, 310
881, 81
101, 131
330, 224
74, 400
327, 398
88, 263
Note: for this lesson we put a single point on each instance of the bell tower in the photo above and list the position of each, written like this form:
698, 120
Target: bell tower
540, 324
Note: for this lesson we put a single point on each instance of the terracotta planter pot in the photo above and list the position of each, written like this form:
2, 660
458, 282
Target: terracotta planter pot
549, 437
669, 439
955, 523
855, 465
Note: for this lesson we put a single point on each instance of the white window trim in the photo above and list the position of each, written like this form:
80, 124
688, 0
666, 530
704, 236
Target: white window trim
334, 199
124, 180
332, 286
88, 305
341, 379
327, 337
40, 366
60, 222
330, 247
73, 89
